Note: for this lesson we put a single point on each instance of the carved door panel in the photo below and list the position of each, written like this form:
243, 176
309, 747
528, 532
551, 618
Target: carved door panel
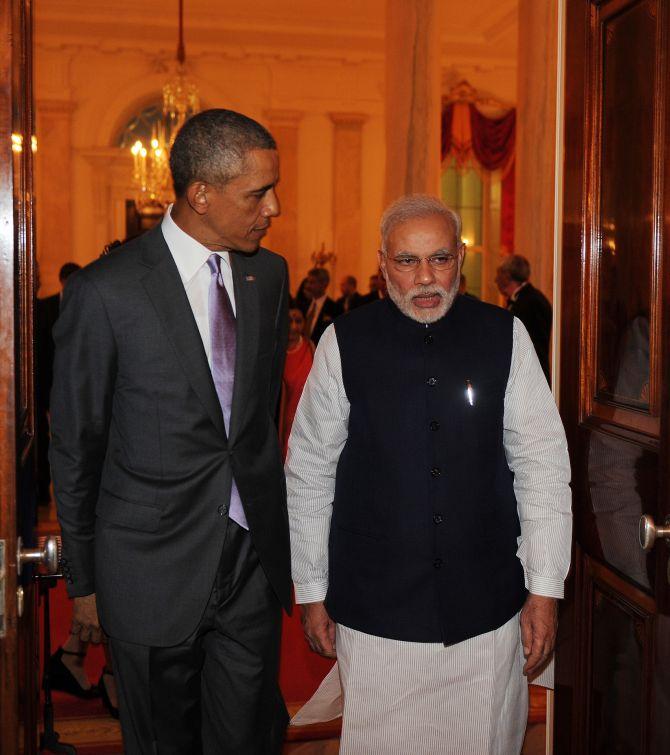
613, 658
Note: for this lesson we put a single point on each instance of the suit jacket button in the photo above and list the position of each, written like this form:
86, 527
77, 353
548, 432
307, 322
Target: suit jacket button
437, 563
223, 510
432, 381
434, 425
435, 472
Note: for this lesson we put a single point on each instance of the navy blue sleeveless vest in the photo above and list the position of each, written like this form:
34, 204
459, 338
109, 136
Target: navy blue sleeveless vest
424, 528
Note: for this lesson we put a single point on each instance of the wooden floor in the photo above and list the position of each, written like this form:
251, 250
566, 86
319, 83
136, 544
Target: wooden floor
101, 736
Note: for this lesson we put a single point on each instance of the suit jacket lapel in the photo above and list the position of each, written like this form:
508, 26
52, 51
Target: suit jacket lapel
247, 314
165, 289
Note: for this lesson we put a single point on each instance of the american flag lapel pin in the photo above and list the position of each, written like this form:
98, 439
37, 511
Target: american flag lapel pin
469, 392
249, 278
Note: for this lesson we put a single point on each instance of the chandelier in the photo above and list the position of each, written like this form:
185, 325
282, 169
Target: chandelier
151, 166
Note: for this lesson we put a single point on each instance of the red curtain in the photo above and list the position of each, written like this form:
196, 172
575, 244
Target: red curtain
507, 211
447, 118
491, 142
492, 138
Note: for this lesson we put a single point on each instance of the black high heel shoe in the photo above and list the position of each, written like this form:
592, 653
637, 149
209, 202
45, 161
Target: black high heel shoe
61, 678
111, 709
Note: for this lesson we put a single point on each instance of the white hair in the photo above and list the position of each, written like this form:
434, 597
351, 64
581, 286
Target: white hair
417, 206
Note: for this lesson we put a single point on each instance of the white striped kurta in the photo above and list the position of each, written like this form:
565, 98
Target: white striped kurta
466, 699
536, 452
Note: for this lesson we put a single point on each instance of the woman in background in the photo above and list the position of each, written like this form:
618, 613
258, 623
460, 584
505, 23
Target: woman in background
300, 670
299, 354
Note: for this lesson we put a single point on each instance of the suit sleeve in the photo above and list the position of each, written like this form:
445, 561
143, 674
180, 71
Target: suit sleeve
81, 406
281, 339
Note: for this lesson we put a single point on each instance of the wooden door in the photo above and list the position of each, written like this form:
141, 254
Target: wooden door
613, 655
18, 647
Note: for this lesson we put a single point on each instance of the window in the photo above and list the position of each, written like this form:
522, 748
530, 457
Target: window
476, 197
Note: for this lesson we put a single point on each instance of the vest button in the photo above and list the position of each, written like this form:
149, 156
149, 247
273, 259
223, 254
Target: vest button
434, 425
428, 339
435, 472
222, 510
437, 563
437, 518
431, 381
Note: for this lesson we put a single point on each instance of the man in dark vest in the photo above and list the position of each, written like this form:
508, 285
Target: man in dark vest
429, 505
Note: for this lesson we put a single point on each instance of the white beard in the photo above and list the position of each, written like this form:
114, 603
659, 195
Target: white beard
405, 303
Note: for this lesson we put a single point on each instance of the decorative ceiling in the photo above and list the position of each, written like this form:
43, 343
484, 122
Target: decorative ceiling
485, 30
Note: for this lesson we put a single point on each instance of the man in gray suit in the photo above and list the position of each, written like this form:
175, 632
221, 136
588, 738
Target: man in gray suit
165, 458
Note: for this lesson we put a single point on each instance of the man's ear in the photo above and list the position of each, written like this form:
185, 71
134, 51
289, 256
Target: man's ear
381, 261
196, 195
462, 250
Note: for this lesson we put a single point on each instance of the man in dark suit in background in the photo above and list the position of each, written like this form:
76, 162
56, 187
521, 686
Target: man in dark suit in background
322, 309
166, 463
46, 314
527, 303
350, 298
377, 289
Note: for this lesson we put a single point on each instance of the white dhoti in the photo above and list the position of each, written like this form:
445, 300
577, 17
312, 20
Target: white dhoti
412, 698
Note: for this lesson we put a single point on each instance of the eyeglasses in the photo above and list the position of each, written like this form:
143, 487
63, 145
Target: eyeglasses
409, 263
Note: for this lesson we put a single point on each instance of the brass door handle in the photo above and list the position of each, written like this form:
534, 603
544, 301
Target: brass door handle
48, 555
650, 532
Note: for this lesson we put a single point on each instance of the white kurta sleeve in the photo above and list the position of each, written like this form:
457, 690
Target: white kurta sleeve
318, 435
537, 454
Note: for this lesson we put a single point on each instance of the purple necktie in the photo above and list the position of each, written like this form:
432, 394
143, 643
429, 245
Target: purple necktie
223, 337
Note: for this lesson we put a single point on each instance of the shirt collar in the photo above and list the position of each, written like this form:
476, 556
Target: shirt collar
189, 254
514, 296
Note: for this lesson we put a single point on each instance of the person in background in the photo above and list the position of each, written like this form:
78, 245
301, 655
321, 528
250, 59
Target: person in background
373, 293
527, 303
302, 298
66, 665
67, 672
377, 289
463, 287
350, 298
322, 309
46, 314
299, 355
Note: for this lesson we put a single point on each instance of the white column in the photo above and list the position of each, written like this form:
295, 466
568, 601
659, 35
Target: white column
413, 100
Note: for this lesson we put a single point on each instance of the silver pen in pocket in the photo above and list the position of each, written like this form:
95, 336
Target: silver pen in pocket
469, 392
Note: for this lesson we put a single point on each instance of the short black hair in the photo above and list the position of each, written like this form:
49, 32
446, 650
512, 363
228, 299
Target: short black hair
211, 146
67, 270
321, 274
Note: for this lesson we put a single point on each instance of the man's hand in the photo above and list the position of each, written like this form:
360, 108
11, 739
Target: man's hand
319, 629
85, 621
539, 621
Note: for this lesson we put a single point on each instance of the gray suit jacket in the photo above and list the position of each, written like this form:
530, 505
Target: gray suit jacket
141, 463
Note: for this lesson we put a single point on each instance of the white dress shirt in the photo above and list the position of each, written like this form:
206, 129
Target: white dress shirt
191, 257
534, 442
